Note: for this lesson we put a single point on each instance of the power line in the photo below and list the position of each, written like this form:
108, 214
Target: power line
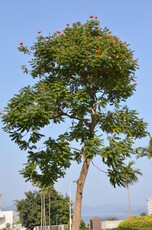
99, 168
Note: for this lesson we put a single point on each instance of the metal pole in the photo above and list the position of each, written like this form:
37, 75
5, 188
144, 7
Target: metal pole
0, 201
41, 210
70, 203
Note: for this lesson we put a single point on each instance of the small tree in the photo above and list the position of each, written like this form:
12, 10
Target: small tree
147, 151
85, 75
30, 209
131, 178
143, 214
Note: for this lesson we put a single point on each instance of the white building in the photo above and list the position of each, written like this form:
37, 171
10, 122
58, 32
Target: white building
8, 218
149, 203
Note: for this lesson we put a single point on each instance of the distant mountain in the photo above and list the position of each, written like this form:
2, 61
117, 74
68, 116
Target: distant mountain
121, 211
9, 208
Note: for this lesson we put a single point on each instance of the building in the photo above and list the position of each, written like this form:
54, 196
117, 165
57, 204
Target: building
95, 224
149, 204
8, 219
98, 224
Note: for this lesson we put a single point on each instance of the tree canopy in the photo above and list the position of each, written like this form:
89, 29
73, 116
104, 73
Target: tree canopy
29, 208
84, 75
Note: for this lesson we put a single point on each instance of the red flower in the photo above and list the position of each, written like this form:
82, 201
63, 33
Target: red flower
114, 41
40, 31
134, 80
91, 16
67, 24
21, 43
42, 89
58, 31
137, 59
95, 17
97, 51
49, 33
3, 115
108, 36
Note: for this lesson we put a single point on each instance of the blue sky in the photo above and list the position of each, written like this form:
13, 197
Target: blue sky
20, 21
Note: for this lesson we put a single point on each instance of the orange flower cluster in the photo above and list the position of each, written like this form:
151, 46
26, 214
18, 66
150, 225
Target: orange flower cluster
97, 37
108, 36
42, 89
67, 24
58, 31
21, 43
97, 51
91, 16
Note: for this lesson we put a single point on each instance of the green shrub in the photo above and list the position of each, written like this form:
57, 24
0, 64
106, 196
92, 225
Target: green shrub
136, 222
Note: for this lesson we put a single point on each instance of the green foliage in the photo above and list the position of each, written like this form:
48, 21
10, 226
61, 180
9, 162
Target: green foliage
143, 214
144, 228
84, 76
30, 208
111, 218
83, 226
136, 222
146, 151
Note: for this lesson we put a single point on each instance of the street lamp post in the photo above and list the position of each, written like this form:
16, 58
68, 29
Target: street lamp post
70, 204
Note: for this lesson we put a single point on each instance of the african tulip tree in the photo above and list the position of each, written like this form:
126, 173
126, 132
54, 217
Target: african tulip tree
83, 75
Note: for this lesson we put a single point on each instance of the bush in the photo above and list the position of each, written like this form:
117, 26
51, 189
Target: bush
83, 226
136, 222
143, 214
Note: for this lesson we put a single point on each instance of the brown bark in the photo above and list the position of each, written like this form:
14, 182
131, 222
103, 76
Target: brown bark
80, 183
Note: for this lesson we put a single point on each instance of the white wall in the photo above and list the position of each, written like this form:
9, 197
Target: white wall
110, 224
10, 217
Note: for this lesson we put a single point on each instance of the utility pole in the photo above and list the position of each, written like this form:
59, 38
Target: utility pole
0, 201
70, 204
70, 213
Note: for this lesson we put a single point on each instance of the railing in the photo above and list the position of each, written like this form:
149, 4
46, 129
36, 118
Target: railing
52, 227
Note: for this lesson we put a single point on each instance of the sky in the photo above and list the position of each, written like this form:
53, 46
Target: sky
19, 21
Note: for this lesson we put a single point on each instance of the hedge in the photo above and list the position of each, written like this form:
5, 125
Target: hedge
136, 222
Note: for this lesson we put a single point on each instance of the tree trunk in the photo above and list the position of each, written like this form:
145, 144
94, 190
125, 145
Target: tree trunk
129, 200
80, 183
49, 213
